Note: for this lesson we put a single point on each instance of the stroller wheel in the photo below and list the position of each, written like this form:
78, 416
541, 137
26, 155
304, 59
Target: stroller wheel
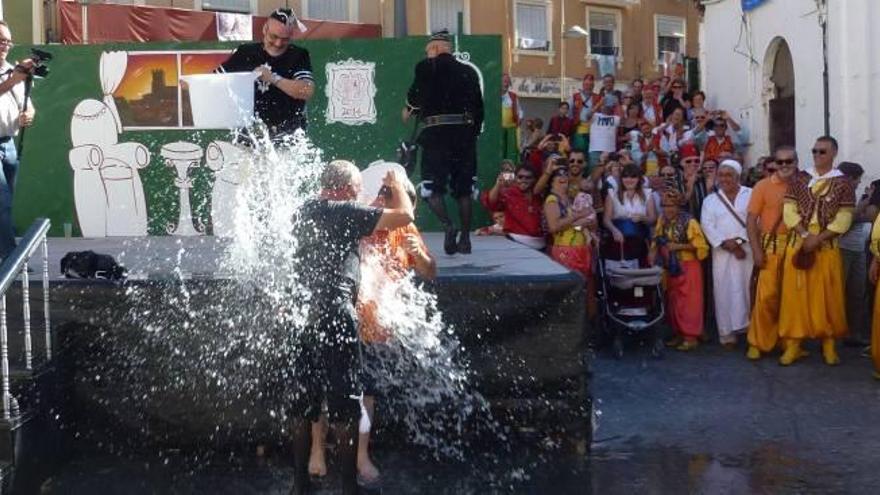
657, 350
617, 347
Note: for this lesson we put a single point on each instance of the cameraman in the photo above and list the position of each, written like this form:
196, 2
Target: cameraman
12, 118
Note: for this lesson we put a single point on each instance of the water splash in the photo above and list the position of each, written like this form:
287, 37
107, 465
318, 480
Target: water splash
210, 360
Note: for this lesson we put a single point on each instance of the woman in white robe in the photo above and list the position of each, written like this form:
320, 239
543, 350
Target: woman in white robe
731, 254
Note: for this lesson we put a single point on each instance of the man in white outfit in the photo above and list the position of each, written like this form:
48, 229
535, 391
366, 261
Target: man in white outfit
723, 221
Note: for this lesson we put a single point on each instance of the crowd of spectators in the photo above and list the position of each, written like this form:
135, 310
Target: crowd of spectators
650, 172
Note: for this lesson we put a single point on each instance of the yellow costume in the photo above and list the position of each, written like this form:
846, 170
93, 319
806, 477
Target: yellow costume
813, 299
766, 204
875, 326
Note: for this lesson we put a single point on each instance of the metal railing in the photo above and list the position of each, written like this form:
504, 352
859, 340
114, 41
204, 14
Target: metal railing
14, 265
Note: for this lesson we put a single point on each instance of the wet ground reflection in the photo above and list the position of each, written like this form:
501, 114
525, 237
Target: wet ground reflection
708, 422
627, 467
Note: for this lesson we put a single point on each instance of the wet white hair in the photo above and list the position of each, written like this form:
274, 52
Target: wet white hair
339, 174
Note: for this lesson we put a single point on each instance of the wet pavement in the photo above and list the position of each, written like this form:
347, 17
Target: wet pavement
705, 422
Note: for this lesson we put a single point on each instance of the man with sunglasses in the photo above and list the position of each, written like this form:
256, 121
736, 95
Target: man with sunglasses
285, 81
818, 208
717, 140
767, 236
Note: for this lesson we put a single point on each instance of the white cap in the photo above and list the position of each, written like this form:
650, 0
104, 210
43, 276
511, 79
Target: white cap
732, 164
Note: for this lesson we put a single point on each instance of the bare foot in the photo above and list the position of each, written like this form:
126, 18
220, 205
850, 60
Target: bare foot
317, 463
366, 469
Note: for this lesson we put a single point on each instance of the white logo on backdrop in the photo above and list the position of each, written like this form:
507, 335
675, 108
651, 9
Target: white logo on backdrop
351, 92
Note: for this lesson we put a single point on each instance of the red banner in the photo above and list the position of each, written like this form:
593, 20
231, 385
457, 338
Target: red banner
100, 23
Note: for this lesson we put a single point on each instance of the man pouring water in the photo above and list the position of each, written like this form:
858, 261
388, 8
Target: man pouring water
284, 82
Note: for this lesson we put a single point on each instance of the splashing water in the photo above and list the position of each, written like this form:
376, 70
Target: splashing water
213, 357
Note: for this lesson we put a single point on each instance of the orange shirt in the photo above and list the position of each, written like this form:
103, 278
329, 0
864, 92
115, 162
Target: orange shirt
395, 263
714, 148
766, 203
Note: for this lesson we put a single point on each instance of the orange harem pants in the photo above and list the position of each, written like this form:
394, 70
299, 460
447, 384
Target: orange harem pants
684, 300
764, 328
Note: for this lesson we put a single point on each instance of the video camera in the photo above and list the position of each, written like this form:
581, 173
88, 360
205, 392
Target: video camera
40, 58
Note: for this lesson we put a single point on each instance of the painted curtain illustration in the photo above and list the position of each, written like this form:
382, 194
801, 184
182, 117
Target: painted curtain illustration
141, 91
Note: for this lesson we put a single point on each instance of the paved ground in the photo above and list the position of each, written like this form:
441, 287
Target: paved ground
706, 422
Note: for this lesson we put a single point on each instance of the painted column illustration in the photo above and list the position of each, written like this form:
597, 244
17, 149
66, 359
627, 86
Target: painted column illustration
229, 165
183, 156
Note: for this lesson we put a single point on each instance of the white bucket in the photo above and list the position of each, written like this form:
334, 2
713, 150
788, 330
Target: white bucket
221, 101
372, 179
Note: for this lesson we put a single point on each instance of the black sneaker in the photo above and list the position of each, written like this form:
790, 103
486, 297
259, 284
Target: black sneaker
464, 243
449, 243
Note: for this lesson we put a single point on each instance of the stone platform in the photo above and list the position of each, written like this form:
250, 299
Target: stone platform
149, 258
518, 316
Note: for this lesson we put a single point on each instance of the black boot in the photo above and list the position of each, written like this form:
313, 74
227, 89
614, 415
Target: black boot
464, 243
449, 244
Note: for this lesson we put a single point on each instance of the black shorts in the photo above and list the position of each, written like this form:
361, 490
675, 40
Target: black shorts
449, 153
327, 369
378, 363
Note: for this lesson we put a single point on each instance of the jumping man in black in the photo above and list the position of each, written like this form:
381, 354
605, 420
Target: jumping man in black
447, 98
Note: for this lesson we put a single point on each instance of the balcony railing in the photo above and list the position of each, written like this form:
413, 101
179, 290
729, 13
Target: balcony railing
15, 265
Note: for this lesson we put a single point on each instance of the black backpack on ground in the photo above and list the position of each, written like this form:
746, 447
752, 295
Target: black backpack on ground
89, 264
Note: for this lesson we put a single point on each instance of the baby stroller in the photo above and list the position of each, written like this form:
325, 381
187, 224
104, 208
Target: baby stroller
631, 297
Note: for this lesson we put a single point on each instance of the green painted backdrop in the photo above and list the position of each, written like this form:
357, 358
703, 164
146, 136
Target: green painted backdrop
45, 184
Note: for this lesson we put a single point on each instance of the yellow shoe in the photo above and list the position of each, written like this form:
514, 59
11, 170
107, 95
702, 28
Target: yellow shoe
754, 354
687, 345
792, 353
830, 353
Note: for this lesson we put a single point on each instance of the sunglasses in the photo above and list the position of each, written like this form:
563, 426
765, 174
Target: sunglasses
819, 151
573, 160
692, 160
770, 170
668, 174
525, 176
790, 161
677, 87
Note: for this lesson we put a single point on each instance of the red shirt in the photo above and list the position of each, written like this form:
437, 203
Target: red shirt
522, 215
561, 125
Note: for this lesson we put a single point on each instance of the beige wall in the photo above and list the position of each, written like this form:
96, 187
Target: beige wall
637, 33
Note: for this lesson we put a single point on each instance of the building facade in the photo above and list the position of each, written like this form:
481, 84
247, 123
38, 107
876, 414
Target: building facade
767, 65
628, 38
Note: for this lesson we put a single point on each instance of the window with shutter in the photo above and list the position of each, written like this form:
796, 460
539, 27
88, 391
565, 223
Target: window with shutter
670, 35
603, 33
532, 26
443, 14
329, 10
241, 6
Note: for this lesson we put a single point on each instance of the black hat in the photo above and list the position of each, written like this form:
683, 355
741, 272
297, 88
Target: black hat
442, 35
